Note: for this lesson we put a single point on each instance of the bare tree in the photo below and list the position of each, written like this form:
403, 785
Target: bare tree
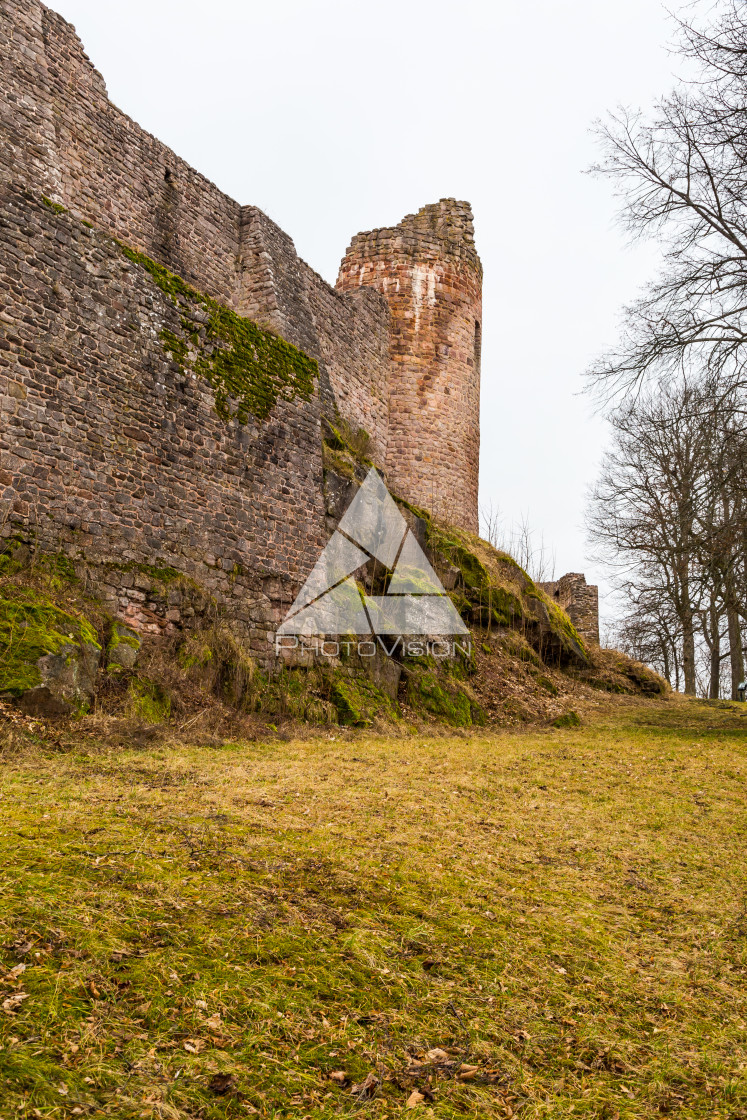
681, 174
643, 507
649, 629
519, 541
669, 516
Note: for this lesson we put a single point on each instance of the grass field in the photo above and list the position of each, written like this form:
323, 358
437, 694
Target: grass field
537, 924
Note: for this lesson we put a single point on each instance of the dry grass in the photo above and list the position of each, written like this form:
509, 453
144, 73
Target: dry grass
214, 931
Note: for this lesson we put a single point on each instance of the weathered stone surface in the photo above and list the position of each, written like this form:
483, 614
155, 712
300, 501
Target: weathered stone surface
123, 647
580, 601
70, 675
384, 671
338, 494
429, 271
41, 703
555, 644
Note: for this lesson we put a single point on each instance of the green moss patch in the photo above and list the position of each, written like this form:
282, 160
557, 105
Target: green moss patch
31, 626
430, 694
57, 207
560, 624
248, 368
359, 702
568, 719
148, 700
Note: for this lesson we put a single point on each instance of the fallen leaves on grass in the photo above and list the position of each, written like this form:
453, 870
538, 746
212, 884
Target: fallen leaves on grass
193, 1045
367, 1088
10, 1004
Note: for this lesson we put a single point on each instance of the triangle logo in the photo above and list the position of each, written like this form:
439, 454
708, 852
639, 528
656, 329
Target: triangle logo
331, 603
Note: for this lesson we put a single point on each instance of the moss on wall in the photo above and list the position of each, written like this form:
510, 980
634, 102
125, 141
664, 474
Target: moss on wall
359, 702
560, 624
31, 626
431, 693
57, 207
248, 369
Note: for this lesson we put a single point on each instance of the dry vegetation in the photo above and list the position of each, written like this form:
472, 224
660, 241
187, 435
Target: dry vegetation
540, 923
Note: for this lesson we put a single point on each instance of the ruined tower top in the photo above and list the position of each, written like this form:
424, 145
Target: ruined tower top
428, 270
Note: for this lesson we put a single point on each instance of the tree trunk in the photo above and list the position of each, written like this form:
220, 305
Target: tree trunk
714, 690
735, 650
688, 654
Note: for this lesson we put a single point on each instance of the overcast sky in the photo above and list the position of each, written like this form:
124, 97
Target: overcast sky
336, 116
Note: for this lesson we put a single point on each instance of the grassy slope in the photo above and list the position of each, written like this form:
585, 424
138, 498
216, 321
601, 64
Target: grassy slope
564, 911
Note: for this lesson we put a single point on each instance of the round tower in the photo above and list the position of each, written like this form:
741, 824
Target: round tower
429, 271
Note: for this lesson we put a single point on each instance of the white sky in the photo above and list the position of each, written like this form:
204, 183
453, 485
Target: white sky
337, 116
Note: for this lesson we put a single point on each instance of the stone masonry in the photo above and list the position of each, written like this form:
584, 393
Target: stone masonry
429, 272
114, 453
580, 600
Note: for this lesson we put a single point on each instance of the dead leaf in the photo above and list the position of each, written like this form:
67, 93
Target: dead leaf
437, 1055
14, 1001
193, 1045
467, 1072
214, 1022
16, 972
222, 1084
415, 1098
366, 1088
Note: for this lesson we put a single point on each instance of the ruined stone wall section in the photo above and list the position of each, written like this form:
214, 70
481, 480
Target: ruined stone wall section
61, 136
429, 272
347, 334
580, 600
123, 180
110, 451
28, 139
354, 333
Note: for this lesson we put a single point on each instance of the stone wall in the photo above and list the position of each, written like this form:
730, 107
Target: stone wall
348, 334
429, 272
580, 600
100, 163
111, 452
109, 448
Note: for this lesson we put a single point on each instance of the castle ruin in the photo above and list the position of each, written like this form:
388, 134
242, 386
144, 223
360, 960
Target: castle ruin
580, 600
123, 438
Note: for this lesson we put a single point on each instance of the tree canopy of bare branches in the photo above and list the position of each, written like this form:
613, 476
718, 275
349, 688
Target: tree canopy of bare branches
668, 516
681, 177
